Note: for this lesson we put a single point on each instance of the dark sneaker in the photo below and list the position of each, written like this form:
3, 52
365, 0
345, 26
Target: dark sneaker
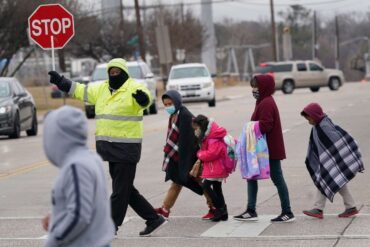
248, 215
349, 212
284, 218
163, 212
317, 213
153, 227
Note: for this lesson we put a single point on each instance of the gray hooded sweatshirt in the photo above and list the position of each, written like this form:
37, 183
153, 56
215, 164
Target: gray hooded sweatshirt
81, 210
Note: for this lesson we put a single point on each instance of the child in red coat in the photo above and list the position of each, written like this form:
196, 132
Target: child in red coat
212, 148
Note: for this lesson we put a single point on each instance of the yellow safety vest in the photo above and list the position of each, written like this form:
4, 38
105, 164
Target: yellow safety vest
119, 118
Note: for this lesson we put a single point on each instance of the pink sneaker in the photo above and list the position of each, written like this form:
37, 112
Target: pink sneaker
210, 214
163, 212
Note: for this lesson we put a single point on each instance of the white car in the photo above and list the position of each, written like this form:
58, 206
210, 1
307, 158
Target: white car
289, 75
194, 82
138, 70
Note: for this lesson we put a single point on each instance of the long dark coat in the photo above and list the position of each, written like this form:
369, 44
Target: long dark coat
179, 172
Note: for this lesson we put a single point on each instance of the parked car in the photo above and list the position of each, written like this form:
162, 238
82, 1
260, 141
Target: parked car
17, 109
194, 83
138, 70
301, 74
57, 94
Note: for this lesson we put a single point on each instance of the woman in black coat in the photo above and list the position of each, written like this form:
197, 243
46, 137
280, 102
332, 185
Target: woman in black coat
179, 153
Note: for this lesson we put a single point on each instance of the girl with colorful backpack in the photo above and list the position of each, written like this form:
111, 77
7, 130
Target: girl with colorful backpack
212, 154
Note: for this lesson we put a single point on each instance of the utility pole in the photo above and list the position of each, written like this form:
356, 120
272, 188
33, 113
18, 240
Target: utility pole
273, 29
121, 19
139, 30
337, 54
314, 36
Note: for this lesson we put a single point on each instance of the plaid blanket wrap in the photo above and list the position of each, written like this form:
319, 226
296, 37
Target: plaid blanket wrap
333, 157
171, 149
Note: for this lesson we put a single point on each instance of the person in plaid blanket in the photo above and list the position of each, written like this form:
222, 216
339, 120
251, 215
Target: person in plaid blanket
180, 154
333, 159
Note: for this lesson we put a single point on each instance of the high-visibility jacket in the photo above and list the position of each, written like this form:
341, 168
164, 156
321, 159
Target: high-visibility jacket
119, 118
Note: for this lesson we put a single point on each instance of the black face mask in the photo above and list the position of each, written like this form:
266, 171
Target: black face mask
115, 82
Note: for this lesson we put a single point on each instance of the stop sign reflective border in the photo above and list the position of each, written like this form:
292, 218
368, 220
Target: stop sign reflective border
51, 21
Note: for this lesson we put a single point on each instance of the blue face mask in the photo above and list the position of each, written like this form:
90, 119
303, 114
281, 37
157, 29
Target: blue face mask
170, 110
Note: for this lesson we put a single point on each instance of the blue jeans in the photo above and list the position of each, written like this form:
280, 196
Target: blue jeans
278, 180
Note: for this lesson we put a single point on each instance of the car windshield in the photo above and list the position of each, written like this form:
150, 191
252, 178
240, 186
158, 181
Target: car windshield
189, 72
4, 89
135, 72
100, 74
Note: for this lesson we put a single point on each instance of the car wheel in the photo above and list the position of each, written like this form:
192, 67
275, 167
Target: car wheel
90, 112
90, 115
334, 83
16, 128
212, 103
315, 89
153, 108
34, 127
288, 87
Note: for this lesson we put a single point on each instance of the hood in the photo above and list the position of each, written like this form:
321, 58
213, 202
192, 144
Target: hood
6, 101
65, 130
119, 63
191, 80
266, 86
175, 96
315, 111
214, 131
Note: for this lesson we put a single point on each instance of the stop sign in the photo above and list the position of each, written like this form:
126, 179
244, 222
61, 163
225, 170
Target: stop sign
51, 23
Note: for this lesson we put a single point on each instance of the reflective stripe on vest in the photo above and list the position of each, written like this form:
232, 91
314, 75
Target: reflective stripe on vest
119, 140
86, 96
120, 118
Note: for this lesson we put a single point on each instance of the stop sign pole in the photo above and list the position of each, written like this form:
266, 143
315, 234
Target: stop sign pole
51, 27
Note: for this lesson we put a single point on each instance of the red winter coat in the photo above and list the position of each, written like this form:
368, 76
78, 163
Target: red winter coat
212, 151
267, 113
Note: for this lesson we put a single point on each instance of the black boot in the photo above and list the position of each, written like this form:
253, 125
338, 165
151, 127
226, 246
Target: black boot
220, 214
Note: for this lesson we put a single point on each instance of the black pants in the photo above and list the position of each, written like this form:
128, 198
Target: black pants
214, 190
124, 194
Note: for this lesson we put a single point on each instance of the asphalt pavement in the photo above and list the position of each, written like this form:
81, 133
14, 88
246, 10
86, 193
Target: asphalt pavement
26, 178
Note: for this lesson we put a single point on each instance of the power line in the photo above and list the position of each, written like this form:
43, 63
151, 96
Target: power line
287, 4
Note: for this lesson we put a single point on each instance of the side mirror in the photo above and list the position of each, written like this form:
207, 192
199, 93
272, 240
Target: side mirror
213, 75
21, 94
149, 76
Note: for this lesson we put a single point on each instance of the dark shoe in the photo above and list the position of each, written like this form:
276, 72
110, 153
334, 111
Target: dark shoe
220, 214
284, 218
153, 226
349, 212
316, 213
248, 215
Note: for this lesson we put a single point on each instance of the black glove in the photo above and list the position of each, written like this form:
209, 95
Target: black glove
62, 83
141, 97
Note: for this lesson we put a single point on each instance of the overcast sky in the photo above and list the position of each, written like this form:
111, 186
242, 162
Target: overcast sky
260, 9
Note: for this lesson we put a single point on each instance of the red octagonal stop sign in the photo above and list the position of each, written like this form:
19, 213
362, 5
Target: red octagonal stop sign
51, 22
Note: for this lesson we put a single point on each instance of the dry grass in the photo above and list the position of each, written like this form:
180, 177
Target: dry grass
44, 102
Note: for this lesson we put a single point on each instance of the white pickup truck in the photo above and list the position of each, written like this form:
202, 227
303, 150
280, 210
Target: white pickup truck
289, 75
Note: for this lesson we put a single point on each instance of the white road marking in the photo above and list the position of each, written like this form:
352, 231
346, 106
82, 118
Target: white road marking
237, 229
286, 130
